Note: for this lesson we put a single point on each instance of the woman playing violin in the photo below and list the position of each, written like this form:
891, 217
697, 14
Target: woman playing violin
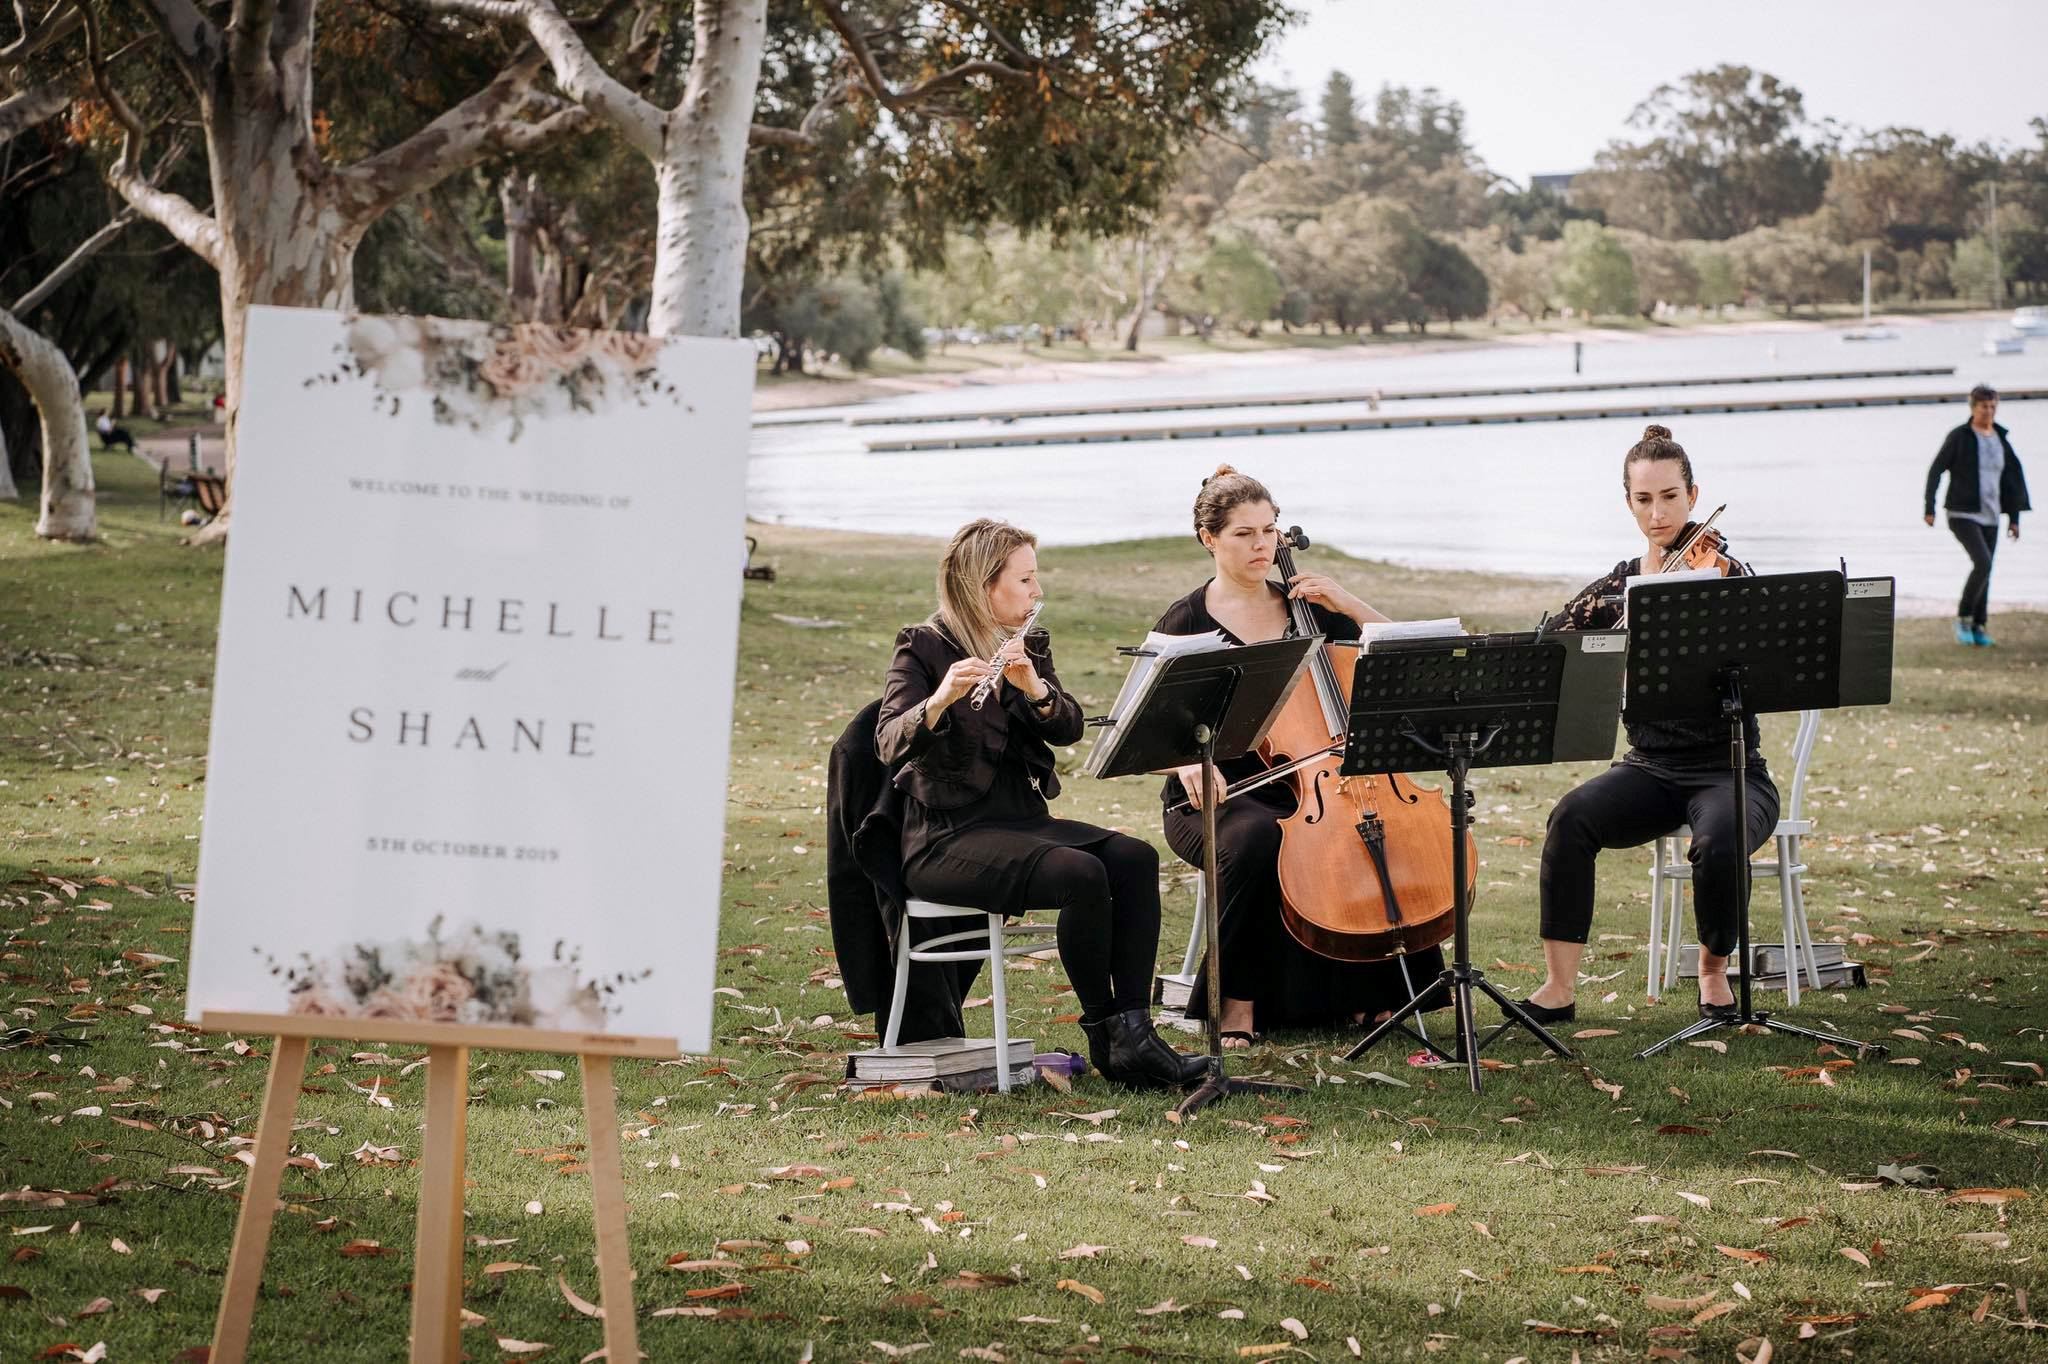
976, 779
1675, 772
1268, 979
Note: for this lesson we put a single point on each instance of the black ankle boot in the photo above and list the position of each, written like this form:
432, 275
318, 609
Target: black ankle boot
1137, 1056
1097, 1032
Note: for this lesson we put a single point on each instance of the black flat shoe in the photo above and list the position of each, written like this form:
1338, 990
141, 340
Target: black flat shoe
1543, 1013
1729, 1011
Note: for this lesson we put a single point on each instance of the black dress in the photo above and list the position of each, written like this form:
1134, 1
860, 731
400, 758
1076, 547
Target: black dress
1289, 986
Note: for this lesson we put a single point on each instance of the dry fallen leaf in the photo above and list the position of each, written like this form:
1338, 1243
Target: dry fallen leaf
575, 1300
522, 1347
1992, 1197
1927, 1300
1697, 1200
1853, 1254
1435, 1209
1750, 1257
1199, 1242
1719, 1309
1294, 1328
1657, 1303
1093, 1294
1084, 1251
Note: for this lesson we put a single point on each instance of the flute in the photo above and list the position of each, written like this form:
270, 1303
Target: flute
986, 687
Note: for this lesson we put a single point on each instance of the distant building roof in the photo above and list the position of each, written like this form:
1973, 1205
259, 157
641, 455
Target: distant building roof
1557, 182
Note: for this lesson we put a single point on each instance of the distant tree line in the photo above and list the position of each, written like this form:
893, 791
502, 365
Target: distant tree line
1366, 215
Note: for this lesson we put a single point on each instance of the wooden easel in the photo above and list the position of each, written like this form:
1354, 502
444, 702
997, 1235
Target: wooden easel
437, 1262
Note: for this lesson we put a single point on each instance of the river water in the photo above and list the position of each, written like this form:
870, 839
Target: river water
1804, 489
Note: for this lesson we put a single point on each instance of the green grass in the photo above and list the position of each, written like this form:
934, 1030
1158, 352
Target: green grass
1932, 830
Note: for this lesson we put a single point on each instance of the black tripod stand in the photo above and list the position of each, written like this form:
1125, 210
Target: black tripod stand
1197, 707
1448, 704
1459, 979
1732, 648
1745, 1013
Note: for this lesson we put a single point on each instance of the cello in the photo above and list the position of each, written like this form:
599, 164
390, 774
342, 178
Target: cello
1365, 861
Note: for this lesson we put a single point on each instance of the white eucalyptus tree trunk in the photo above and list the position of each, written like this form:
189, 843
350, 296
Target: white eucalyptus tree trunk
68, 511
700, 255
698, 150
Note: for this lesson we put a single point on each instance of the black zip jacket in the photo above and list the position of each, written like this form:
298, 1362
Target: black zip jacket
955, 764
1958, 459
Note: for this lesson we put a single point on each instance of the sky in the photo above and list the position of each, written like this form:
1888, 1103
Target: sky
1546, 84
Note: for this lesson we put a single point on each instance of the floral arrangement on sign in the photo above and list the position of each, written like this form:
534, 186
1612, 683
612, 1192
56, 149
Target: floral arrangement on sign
482, 376
474, 975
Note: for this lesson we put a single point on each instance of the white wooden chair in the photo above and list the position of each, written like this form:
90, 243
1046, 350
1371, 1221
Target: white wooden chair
1669, 871
994, 936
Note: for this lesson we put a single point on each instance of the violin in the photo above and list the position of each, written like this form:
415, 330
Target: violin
1699, 547
1365, 861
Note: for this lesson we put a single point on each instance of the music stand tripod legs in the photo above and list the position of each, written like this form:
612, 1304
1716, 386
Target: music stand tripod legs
1459, 979
1738, 763
1217, 1084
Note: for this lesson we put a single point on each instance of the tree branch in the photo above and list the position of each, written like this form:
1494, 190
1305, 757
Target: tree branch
22, 111
173, 212
482, 126
579, 74
763, 135
871, 70
194, 41
37, 34
248, 35
71, 264
1003, 40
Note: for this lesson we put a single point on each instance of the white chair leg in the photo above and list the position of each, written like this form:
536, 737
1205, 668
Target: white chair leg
1790, 933
1674, 929
1655, 971
901, 987
1193, 956
1002, 1002
1799, 911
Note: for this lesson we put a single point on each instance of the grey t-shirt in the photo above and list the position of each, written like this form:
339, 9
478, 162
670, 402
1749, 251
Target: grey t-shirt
1990, 467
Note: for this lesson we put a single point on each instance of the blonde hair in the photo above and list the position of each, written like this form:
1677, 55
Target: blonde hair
974, 560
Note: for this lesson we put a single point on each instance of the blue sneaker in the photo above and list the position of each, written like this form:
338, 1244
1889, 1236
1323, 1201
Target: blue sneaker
1982, 637
1966, 633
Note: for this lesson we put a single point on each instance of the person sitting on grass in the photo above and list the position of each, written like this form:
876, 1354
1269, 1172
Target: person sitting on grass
112, 435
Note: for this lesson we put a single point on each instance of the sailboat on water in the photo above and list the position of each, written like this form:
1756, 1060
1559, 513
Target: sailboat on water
1866, 332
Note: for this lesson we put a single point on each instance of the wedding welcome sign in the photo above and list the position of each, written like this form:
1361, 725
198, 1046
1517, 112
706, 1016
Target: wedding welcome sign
475, 677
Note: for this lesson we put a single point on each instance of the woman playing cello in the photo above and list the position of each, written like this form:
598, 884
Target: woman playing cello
968, 718
1268, 979
1675, 772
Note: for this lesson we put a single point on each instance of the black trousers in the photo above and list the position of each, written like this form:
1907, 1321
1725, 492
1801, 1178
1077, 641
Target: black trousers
1980, 542
1629, 805
1107, 896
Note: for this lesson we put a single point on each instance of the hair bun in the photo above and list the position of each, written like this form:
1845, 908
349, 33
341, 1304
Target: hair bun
1656, 432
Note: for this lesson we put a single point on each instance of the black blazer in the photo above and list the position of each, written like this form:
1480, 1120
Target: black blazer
864, 889
955, 765
1958, 459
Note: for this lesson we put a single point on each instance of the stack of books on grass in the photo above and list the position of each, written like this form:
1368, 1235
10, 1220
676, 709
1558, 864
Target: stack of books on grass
1767, 966
957, 1065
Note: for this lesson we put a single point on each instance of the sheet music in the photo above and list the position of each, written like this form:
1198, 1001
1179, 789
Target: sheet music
1156, 649
1408, 629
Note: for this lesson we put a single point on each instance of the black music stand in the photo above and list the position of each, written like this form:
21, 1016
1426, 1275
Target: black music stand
1447, 705
1726, 649
1199, 707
